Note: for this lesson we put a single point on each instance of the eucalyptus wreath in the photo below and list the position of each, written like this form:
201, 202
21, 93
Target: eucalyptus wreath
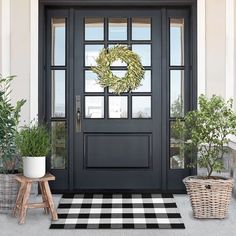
132, 78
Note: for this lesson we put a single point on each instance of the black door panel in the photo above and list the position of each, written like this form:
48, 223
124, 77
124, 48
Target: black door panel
119, 153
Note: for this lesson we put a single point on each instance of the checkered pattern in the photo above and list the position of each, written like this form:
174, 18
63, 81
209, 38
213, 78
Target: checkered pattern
118, 211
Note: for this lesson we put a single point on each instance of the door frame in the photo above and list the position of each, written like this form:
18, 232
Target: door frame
63, 4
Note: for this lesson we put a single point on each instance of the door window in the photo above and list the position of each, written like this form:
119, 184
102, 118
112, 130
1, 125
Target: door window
134, 33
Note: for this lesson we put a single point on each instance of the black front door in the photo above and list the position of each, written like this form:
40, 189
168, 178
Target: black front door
102, 141
117, 138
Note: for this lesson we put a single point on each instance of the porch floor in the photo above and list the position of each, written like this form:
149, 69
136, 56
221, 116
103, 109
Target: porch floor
38, 224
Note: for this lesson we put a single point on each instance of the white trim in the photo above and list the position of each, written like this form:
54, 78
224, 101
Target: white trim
6, 38
33, 59
229, 57
201, 45
229, 74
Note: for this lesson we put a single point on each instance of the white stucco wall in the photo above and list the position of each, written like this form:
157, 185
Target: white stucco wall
215, 47
20, 53
0, 37
23, 43
235, 54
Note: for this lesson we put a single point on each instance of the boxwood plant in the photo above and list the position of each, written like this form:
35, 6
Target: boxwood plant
33, 141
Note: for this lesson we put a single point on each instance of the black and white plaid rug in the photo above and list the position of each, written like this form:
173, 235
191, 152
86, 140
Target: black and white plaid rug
118, 211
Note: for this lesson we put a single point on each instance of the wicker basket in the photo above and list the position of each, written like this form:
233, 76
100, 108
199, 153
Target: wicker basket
8, 192
210, 198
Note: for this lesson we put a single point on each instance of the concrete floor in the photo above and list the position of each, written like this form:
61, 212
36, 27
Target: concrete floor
37, 224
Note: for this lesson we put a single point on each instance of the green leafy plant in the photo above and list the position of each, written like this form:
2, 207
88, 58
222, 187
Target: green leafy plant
9, 120
207, 131
33, 141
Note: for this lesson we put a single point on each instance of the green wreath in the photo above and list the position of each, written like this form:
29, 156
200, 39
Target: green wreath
133, 76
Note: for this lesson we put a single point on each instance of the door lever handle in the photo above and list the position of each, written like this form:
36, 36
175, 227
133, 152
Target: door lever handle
78, 112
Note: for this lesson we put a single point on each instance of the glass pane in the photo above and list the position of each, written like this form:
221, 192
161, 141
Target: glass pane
145, 83
176, 42
91, 53
58, 27
117, 29
176, 93
94, 107
141, 28
58, 152
94, 29
58, 93
141, 106
176, 149
118, 107
144, 51
120, 74
91, 82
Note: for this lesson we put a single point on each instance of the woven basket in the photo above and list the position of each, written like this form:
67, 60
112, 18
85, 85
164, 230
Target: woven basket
8, 192
210, 198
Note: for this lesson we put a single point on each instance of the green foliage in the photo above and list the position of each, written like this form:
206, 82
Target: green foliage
133, 76
33, 141
177, 107
207, 131
9, 120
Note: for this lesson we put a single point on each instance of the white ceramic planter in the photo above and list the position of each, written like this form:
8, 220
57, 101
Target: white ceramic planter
34, 167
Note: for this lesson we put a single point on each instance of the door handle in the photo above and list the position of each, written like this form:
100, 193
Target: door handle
78, 112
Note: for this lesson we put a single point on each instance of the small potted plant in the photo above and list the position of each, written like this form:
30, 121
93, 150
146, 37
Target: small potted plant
9, 158
206, 132
33, 143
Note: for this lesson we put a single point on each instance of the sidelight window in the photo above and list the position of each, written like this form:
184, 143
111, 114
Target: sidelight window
58, 85
177, 85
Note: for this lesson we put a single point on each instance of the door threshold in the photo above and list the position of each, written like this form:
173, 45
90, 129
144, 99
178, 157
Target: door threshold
119, 191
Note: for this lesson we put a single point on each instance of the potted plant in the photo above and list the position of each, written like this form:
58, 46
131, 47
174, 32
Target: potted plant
33, 143
9, 159
206, 132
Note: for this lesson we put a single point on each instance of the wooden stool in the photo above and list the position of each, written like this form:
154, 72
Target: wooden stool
23, 195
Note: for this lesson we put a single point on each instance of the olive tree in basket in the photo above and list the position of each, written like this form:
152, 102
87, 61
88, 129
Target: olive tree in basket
207, 132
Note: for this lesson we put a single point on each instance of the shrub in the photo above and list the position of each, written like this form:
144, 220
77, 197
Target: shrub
9, 120
33, 141
207, 131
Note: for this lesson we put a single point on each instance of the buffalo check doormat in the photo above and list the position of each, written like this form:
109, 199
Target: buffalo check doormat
118, 211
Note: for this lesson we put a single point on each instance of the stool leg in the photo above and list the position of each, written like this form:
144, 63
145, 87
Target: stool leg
50, 200
44, 197
24, 203
19, 199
